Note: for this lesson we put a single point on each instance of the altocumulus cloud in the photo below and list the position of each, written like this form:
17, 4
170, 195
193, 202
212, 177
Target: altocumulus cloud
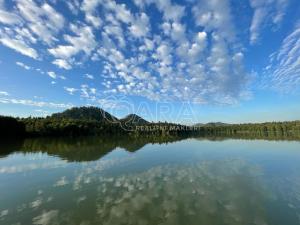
29, 102
160, 50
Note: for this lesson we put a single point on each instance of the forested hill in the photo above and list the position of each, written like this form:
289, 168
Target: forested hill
134, 119
85, 113
83, 121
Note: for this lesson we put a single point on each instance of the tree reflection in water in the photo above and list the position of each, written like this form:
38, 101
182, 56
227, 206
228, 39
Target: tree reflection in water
208, 192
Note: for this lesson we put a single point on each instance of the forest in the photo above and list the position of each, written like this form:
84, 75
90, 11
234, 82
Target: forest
92, 121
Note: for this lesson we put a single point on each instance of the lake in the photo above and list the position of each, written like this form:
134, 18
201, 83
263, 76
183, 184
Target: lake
155, 181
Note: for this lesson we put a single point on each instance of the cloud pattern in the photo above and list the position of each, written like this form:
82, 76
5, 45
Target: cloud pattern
163, 57
283, 71
161, 50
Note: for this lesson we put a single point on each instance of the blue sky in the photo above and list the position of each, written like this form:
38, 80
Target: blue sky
182, 61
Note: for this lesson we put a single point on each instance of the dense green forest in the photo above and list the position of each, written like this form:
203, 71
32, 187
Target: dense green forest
11, 127
86, 114
68, 127
270, 130
85, 121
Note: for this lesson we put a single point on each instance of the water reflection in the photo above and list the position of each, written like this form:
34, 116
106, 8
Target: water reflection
107, 181
93, 148
206, 192
209, 192
82, 148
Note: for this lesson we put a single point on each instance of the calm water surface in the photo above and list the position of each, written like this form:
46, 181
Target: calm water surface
184, 182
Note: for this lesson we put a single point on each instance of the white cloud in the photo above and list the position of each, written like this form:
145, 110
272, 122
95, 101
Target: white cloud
9, 18
61, 63
122, 13
89, 76
71, 91
193, 51
170, 11
265, 12
4, 93
18, 45
28, 102
157, 58
43, 20
84, 91
193, 70
25, 34
64, 51
173, 12
283, 71
202, 36
178, 32
73, 5
93, 91
82, 41
94, 20
52, 74
87, 92
164, 54
113, 31
23, 65
215, 16
280, 11
140, 27
89, 7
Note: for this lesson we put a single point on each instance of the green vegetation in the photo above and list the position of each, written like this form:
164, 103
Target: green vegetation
11, 127
89, 121
86, 114
134, 119
271, 130
52, 126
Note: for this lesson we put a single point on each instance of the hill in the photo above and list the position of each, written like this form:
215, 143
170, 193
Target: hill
85, 113
134, 119
211, 124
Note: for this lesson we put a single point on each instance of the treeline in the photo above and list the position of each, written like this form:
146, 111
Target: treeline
52, 126
10, 126
270, 129
89, 121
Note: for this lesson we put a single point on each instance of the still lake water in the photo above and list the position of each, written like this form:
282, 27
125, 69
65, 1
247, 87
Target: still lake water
185, 182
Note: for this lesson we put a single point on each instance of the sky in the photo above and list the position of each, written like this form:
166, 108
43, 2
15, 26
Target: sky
187, 61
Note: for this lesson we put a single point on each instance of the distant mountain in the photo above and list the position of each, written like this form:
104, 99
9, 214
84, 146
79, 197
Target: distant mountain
134, 120
199, 124
211, 124
85, 113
